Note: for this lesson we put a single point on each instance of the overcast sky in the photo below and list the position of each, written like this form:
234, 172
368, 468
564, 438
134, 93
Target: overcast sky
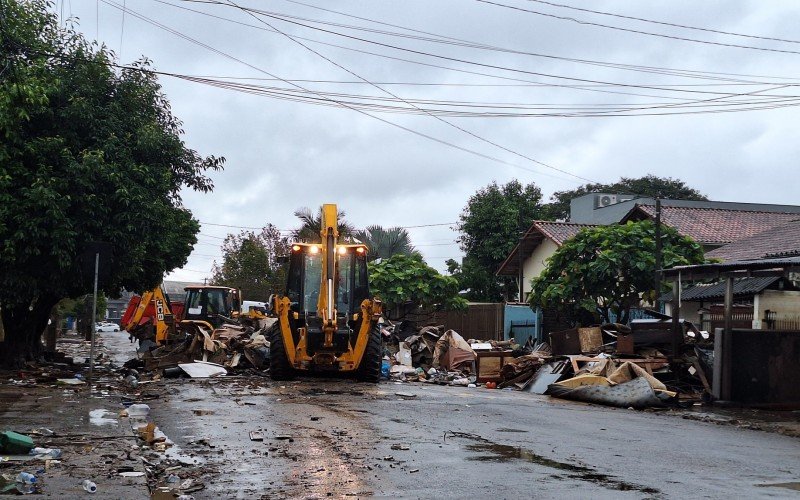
285, 154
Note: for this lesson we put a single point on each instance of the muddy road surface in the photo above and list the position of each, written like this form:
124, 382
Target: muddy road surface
319, 438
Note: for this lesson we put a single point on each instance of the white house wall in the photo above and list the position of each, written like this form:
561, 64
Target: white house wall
535, 264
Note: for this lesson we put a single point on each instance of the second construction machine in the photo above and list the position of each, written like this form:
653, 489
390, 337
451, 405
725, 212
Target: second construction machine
327, 321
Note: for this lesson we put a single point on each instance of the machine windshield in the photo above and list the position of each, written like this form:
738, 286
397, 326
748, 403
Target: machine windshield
313, 274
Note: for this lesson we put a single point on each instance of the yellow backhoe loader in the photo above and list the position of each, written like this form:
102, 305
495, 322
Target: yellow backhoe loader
153, 317
327, 321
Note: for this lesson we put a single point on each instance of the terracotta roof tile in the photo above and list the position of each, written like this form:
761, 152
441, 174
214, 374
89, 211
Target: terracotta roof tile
560, 232
780, 240
717, 226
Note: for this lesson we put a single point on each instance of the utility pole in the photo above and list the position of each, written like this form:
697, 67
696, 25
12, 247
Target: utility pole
658, 256
521, 275
94, 316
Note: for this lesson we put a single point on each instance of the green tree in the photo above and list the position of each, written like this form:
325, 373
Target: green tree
648, 186
249, 262
406, 283
312, 225
609, 269
86, 154
382, 243
491, 225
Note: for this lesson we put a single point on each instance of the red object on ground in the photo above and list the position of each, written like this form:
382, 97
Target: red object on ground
491, 385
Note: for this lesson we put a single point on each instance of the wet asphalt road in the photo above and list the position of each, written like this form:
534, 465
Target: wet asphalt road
340, 438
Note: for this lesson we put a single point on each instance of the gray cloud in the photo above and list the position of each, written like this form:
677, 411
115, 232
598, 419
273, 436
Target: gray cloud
284, 155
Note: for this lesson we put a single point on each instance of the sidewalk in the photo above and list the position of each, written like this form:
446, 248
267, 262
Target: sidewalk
96, 443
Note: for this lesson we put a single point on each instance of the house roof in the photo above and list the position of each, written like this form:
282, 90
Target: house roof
743, 287
712, 226
783, 240
558, 232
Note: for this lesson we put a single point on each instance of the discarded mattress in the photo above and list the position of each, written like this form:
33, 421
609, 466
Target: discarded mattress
635, 393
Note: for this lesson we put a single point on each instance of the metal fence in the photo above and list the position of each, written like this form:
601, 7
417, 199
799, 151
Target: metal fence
774, 320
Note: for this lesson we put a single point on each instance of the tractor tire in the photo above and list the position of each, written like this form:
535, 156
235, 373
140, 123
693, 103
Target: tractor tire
279, 367
369, 370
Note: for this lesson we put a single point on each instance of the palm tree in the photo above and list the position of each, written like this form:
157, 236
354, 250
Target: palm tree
383, 243
312, 224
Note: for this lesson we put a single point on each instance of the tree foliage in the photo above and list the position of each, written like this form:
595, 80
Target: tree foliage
382, 243
86, 154
491, 225
609, 269
249, 262
406, 283
312, 225
648, 186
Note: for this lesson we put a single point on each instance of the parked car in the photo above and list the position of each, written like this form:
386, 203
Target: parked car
107, 327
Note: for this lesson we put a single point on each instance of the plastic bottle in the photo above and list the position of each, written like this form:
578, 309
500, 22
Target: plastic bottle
172, 479
53, 453
26, 478
89, 486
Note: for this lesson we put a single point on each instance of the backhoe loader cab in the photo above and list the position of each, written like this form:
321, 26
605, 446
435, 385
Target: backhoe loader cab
211, 304
326, 318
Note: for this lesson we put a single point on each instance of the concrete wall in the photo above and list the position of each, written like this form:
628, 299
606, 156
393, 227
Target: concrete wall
688, 312
785, 303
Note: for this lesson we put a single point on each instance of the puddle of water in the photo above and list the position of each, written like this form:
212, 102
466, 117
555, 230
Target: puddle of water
100, 417
792, 486
500, 453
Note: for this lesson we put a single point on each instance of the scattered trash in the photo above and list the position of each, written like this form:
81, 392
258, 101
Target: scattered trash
99, 417
46, 453
14, 443
203, 369
138, 410
26, 478
89, 486
200, 413
131, 474
400, 447
407, 395
257, 435
70, 381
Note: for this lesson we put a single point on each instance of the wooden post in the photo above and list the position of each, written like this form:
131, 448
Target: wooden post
677, 329
725, 386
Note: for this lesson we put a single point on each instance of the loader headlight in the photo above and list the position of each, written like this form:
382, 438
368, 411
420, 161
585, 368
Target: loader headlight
342, 250
360, 249
295, 248
313, 249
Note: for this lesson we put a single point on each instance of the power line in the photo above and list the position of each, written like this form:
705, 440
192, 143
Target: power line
388, 122
582, 87
663, 23
453, 125
629, 30
442, 39
122, 29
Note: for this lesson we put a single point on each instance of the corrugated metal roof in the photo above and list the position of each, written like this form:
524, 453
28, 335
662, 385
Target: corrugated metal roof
741, 287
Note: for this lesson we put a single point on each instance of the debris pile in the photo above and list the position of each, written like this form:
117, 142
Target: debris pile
228, 348
610, 364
